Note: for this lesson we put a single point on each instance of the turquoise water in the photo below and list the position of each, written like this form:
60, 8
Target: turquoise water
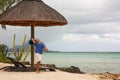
89, 62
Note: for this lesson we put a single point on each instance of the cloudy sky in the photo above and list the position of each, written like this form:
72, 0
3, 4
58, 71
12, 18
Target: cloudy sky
93, 25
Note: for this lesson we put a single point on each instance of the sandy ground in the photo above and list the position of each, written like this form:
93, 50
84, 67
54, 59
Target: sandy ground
58, 75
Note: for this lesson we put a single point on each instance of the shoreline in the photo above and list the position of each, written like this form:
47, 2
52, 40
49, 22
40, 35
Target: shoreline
58, 75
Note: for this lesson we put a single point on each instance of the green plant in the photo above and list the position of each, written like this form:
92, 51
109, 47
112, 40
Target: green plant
19, 55
3, 59
28, 51
22, 49
3, 53
14, 47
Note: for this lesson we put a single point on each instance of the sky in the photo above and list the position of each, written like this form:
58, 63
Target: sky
93, 26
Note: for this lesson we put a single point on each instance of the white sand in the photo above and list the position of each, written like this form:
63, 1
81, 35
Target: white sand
58, 75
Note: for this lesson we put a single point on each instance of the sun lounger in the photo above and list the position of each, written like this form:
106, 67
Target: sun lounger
16, 63
21, 67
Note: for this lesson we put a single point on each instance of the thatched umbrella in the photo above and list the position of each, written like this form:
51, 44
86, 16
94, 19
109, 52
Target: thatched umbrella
32, 13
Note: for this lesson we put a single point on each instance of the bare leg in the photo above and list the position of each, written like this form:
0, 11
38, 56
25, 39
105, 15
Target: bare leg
38, 67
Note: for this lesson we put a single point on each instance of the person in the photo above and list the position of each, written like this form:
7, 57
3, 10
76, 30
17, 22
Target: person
39, 48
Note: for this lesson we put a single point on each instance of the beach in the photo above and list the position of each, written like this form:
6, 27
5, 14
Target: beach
58, 75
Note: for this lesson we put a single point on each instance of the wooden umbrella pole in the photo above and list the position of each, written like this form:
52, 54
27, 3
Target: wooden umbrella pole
32, 47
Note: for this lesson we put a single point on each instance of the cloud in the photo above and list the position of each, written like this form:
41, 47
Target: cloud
84, 42
93, 28
93, 25
115, 36
88, 11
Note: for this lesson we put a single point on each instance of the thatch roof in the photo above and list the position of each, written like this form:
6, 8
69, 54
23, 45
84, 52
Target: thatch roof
32, 12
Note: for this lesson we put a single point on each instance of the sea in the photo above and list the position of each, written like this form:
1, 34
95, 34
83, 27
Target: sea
88, 62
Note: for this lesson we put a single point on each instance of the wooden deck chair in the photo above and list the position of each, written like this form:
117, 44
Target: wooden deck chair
16, 63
